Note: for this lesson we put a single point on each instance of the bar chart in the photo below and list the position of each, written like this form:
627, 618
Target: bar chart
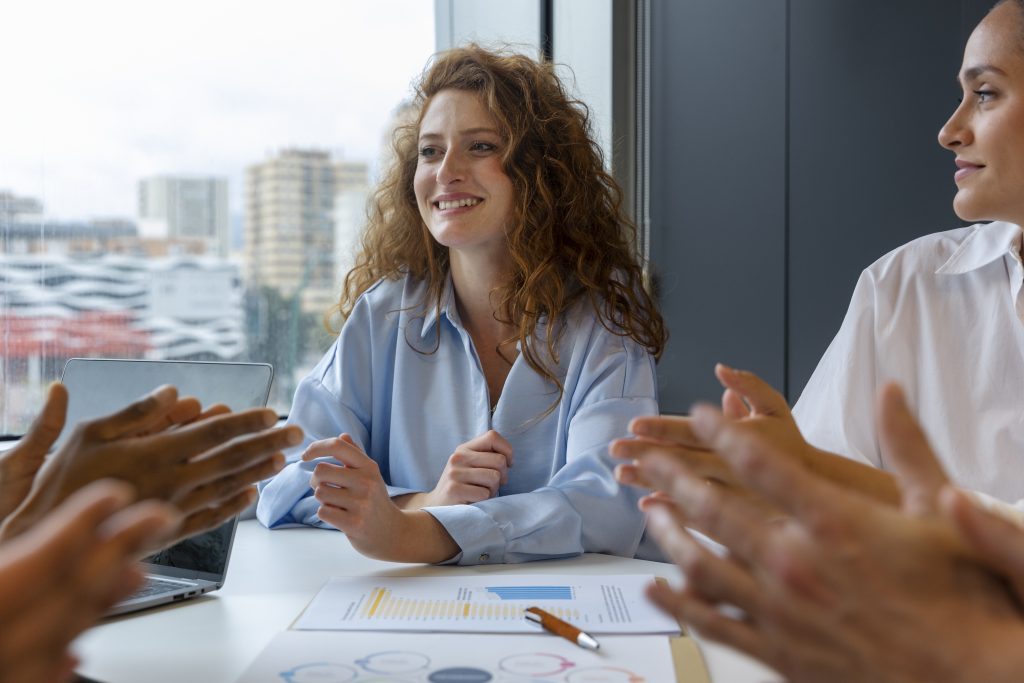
507, 605
612, 604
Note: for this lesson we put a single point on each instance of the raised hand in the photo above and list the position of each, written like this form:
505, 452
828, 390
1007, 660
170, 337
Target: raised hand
835, 589
205, 466
58, 578
19, 465
666, 445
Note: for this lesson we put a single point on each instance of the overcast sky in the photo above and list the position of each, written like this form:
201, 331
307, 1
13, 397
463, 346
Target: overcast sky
99, 94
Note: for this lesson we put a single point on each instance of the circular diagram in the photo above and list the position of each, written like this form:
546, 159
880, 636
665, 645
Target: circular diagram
394, 662
460, 674
604, 674
319, 672
536, 664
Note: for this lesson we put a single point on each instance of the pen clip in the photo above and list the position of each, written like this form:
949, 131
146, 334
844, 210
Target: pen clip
533, 617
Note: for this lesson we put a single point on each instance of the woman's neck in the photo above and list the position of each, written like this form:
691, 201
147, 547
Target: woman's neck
475, 281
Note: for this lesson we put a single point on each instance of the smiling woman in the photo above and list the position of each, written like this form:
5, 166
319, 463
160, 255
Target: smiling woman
986, 132
497, 337
463, 193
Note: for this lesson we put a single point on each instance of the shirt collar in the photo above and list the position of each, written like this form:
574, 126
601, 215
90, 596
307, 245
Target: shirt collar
446, 309
984, 245
449, 310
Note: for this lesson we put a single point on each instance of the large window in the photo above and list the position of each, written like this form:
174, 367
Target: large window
186, 180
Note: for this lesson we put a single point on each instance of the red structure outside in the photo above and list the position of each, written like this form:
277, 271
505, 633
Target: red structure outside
89, 333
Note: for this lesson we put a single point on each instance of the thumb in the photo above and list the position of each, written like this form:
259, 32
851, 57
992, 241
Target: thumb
733, 406
905, 447
47, 426
757, 393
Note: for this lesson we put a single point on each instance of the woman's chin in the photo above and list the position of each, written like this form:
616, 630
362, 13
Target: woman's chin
968, 210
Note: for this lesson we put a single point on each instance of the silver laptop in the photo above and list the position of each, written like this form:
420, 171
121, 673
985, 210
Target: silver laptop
98, 387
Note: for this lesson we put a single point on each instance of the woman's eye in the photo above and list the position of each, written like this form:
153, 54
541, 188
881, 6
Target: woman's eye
482, 147
984, 95
428, 152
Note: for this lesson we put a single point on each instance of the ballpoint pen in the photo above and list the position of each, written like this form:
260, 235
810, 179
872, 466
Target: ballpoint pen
561, 628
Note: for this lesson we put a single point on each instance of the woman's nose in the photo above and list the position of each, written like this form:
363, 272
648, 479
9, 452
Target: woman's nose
955, 132
451, 169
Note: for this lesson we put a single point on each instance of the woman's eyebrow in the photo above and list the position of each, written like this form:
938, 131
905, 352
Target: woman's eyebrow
477, 131
469, 131
975, 71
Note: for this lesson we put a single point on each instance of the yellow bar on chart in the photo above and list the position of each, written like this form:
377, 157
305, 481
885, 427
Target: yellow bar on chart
375, 599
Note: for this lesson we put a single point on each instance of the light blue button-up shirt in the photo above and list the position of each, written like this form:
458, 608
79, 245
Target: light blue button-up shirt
409, 388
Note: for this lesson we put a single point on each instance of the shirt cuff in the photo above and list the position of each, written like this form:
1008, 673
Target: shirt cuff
474, 531
400, 491
280, 496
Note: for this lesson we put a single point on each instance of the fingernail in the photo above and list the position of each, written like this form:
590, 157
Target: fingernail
640, 427
294, 435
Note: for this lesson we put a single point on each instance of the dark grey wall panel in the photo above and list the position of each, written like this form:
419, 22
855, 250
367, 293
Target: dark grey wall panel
871, 82
775, 181
718, 189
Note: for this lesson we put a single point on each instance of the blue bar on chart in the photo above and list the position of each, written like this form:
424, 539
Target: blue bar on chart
532, 592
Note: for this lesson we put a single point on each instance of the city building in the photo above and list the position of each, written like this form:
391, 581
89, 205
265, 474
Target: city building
290, 223
349, 220
17, 209
186, 208
41, 236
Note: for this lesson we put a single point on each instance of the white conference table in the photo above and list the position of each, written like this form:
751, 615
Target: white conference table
272, 576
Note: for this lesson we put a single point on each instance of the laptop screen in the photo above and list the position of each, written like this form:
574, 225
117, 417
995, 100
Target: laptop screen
99, 387
205, 553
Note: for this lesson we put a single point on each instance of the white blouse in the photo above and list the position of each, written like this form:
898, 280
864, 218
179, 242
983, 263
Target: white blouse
944, 317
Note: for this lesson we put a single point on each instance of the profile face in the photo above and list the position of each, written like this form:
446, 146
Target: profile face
462, 191
986, 132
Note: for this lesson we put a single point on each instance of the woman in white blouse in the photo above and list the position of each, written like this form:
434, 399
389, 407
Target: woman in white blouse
942, 316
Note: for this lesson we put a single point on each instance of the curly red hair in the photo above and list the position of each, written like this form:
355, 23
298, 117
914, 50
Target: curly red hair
569, 238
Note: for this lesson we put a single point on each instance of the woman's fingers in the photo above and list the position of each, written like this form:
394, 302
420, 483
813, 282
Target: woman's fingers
755, 392
490, 441
671, 429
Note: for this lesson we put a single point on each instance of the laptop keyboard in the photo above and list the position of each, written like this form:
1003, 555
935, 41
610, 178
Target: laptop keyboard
154, 586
